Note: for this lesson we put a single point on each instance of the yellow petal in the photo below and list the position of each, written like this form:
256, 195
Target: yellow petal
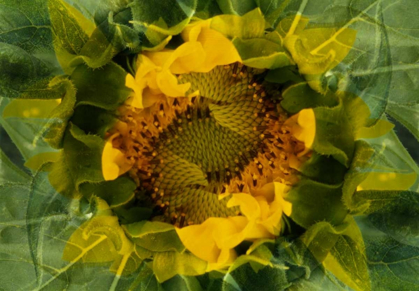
198, 239
214, 239
318, 50
114, 162
169, 86
136, 99
188, 57
249, 206
100, 239
388, 181
219, 50
303, 127
281, 191
379, 129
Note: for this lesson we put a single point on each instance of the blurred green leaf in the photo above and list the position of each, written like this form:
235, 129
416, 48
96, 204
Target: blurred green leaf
237, 7
301, 96
80, 161
168, 264
155, 236
9, 172
246, 278
407, 114
323, 169
399, 217
313, 201
261, 53
19, 71
71, 29
116, 193
157, 22
207, 9
24, 133
393, 266
187, 283
104, 88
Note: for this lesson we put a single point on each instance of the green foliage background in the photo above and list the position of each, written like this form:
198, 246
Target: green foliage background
36, 221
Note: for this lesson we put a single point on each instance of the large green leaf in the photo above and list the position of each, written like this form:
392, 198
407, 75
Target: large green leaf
19, 70
399, 218
237, 7
26, 25
99, 11
393, 266
24, 133
155, 236
104, 88
313, 201
80, 161
157, 22
9, 172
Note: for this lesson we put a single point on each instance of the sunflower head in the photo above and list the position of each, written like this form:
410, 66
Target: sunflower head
220, 145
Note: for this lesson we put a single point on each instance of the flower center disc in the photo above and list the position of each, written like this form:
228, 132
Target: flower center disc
225, 138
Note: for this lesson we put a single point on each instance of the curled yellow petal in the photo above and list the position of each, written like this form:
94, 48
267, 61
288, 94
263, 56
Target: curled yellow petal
388, 181
169, 86
100, 239
218, 49
303, 127
317, 50
114, 162
214, 240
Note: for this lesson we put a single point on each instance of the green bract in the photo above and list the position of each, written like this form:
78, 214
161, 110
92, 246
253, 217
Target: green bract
63, 66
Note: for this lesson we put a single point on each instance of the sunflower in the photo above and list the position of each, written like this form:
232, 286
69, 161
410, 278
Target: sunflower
215, 146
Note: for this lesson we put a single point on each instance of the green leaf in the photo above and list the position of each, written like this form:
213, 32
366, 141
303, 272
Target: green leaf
284, 75
104, 88
169, 264
334, 133
179, 282
80, 161
98, 12
116, 193
9, 172
14, 250
19, 71
323, 169
40, 231
399, 217
393, 266
37, 119
319, 280
313, 201
155, 236
71, 29
250, 25
26, 24
236, 7
347, 262
24, 133
43, 202
370, 201
246, 278
207, 9
261, 53
54, 129
301, 96
93, 120
108, 39
272, 9
360, 167
158, 21
407, 114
